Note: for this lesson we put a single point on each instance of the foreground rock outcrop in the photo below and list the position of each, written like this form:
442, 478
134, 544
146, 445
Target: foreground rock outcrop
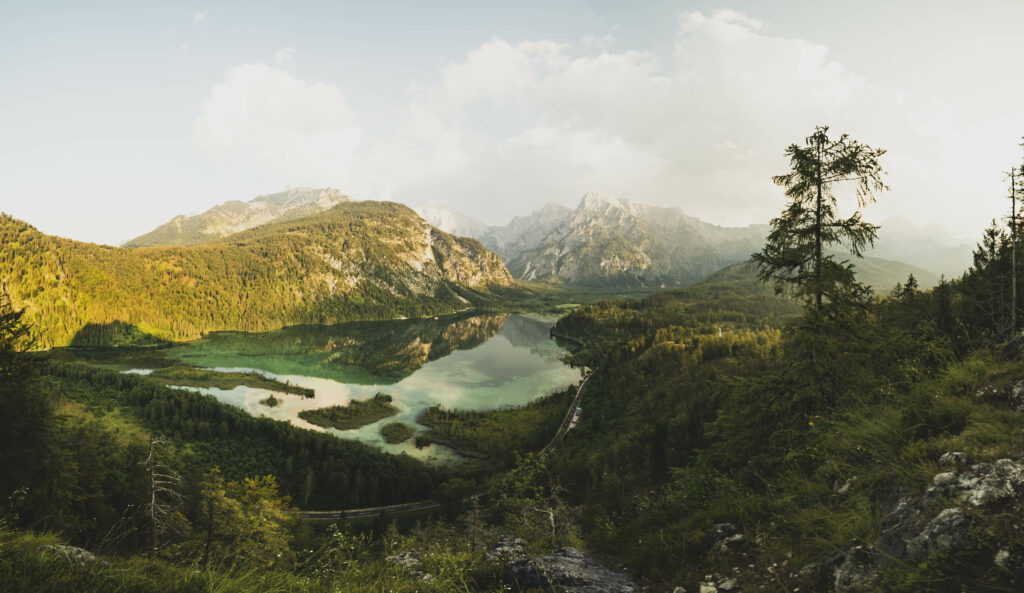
72, 554
567, 569
911, 534
508, 547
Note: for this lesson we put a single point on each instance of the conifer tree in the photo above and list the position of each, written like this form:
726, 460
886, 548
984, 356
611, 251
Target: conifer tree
794, 257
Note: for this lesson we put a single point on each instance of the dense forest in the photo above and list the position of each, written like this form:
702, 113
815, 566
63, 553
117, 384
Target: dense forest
359, 260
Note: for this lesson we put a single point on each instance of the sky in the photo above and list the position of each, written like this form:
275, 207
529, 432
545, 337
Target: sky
118, 116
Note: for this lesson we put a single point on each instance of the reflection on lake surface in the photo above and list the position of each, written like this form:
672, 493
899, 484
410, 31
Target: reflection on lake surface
474, 362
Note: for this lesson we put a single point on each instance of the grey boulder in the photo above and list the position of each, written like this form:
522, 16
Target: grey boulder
567, 569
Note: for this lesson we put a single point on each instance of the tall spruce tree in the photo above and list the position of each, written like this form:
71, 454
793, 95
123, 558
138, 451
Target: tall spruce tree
794, 257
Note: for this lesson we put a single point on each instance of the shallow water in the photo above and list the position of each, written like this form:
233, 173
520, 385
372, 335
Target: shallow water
477, 362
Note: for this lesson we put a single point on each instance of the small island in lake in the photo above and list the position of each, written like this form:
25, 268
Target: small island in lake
396, 432
190, 376
354, 415
270, 401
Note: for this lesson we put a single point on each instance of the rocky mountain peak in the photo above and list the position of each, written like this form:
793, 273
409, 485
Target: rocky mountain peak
235, 216
304, 196
597, 202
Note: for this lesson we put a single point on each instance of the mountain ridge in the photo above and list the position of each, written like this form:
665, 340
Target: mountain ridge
358, 260
235, 216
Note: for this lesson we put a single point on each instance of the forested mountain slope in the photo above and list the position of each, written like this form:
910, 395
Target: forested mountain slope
358, 260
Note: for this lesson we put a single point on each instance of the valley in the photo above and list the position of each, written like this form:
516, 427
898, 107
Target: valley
358, 367
448, 297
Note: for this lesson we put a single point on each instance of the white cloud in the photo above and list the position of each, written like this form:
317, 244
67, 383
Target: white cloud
199, 16
306, 132
284, 55
514, 125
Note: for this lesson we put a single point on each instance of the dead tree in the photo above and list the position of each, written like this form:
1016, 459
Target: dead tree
163, 495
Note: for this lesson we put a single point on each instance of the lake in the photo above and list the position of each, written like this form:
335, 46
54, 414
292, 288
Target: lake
465, 362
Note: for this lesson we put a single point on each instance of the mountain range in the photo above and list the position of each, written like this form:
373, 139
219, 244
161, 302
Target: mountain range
315, 256
355, 260
610, 242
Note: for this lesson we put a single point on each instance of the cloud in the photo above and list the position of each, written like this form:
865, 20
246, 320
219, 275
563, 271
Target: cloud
199, 16
306, 132
284, 55
513, 125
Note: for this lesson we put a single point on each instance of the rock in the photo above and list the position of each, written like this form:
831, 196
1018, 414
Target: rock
411, 562
569, 569
1002, 558
845, 488
733, 541
407, 560
900, 525
984, 484
508, 547
679, 590
953, 459
718, 533
72, 555
943, 533
857, 571
708, 587
944, 484
1012, 396
730, 584
997, 482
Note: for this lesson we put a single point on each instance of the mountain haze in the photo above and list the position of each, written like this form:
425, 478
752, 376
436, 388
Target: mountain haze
358, 260
930, 247
611, 242
235, 216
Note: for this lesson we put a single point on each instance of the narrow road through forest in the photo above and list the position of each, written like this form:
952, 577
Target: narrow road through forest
430, 504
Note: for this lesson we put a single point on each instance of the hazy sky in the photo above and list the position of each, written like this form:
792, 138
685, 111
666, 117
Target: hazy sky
116, 117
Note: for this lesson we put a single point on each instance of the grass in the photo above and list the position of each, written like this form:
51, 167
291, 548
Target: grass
189, 376
396, 432
24, 566
354, 415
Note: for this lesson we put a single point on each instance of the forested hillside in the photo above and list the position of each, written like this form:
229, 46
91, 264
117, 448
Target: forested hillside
359, 260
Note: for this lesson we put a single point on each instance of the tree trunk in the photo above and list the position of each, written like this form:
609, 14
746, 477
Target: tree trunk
1013, 251
817, 239
152, 502
209, 534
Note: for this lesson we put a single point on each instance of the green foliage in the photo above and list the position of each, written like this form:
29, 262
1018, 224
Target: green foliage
342, 562
498, 435
205, 433
759, 425
244, 523
396, 432
794, 258
355, 414
195, 377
